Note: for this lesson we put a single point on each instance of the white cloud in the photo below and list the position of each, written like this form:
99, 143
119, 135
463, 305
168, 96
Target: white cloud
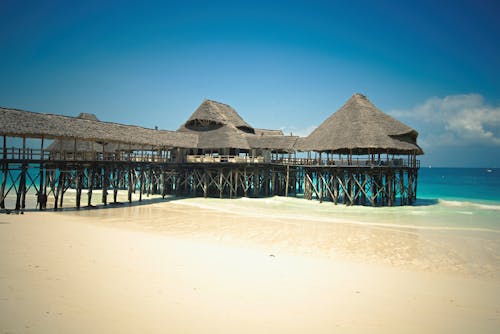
455, 120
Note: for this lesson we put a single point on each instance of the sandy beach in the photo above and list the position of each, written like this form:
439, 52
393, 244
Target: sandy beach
245, 266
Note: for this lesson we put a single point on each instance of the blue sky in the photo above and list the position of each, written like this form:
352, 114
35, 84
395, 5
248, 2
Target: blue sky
433, 64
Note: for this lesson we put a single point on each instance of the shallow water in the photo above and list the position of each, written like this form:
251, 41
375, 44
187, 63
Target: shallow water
440, 232
436, 237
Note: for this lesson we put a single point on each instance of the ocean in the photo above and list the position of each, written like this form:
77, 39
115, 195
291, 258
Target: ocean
451, 200
454, 223
479, 185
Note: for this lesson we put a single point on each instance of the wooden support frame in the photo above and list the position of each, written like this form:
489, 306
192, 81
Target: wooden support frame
351, 184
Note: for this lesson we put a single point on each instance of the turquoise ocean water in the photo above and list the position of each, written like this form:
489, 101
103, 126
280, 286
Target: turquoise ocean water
466, 197
478, 185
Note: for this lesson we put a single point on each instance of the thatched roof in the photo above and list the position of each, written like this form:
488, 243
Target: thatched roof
91, 117
361, 127
275, 143
20, 123
218, 125
68, 145
358, 127
267, 132
212, 113
224, 136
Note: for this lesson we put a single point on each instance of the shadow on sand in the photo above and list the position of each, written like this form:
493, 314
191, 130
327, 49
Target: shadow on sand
425, 202
148, 201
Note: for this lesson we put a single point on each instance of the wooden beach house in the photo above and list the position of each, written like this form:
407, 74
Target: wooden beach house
359, 155
365, 156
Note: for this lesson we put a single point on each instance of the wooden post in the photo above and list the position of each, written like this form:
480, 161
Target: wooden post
79, 179
306, 185
105, 183
410, 186
5, 174
41, 194
416, 183
389, 188
21, 188
273, 183
230, 183
62, 180
141, 184
149, 181
116, 181
363, 195
23, 175
130, 183
246, 183
205, 184
321, 184
58, 190
5, 171
401, 186
220, 183
287, 183
236, 179
22, 181
90, 185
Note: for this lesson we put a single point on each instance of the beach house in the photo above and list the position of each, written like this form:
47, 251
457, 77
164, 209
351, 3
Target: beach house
359, 155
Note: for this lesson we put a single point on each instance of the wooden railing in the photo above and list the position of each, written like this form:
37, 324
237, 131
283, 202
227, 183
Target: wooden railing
13, 153
355, 162
223, 159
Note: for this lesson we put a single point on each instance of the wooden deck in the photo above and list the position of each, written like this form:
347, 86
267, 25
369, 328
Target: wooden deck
351, 182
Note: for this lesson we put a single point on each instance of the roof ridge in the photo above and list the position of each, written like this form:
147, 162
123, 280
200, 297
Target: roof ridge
221, 113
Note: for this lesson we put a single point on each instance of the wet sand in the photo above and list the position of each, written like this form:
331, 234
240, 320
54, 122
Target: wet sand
247, 266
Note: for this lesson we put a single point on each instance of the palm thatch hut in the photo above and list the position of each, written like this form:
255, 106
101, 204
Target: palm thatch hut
221, 131
76, 136
154, 161
360, 128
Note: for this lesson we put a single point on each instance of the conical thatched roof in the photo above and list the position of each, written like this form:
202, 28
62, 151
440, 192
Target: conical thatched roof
218, 125
212, 113
360, 127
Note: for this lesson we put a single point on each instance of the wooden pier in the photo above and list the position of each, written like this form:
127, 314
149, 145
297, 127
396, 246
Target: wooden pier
363, 183
358, 156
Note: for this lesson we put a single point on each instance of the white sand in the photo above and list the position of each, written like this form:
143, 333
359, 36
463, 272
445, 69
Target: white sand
173, 267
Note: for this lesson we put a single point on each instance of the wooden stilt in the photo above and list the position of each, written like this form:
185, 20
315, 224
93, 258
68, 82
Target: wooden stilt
79, 182
130, 183
105, 185
58, 190
5, 175
116, 181
319, 178
287, 185
90, 185
141, 184
62, 180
